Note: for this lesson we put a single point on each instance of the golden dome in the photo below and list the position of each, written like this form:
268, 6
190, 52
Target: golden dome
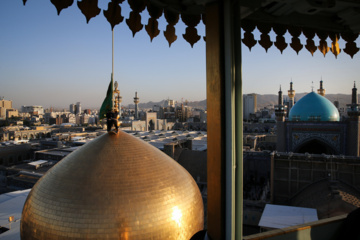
114, 187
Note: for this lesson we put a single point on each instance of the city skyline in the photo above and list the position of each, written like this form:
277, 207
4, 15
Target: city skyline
52, 60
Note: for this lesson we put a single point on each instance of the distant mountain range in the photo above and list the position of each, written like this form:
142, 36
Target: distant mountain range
265, 100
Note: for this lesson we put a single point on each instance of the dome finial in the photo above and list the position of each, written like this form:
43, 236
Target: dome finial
312, 86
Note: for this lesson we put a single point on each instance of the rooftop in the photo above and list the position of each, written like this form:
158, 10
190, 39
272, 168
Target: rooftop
11, 204
277, 216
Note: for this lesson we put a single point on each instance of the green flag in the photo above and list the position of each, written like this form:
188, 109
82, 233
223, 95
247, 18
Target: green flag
107, 105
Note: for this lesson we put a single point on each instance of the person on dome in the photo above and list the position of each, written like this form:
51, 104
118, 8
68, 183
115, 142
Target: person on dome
112, 117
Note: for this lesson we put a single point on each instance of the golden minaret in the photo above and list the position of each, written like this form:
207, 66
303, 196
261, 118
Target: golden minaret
291, 94
321, 90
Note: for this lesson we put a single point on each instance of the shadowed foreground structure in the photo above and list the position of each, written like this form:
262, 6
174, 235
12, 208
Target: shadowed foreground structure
115, 187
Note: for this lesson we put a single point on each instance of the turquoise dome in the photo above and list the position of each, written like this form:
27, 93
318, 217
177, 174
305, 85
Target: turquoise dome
314, 107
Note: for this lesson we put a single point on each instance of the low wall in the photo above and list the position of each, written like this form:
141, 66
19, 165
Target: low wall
325, 229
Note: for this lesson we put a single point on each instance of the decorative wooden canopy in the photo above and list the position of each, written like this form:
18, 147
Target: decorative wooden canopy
333, 19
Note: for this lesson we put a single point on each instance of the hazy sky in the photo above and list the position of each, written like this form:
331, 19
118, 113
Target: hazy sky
52, 60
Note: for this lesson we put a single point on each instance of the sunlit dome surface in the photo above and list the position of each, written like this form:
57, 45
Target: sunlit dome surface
314, 107
114, 187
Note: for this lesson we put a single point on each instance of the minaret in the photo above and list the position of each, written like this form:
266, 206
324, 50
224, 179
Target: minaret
291, 94
280, 113
354, 97
280, 108
136, 101
321, 90
280, 99
353, 110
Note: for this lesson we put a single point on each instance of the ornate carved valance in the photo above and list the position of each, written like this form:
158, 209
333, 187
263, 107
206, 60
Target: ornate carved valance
191, 18
248, 27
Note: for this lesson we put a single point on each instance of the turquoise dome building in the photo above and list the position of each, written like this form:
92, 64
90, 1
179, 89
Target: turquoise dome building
313, 125
314, 107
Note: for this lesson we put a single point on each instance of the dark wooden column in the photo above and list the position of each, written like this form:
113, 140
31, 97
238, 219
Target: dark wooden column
215, 88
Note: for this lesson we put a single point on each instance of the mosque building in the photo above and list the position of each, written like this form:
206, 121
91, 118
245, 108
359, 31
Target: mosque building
313, 125
316, 163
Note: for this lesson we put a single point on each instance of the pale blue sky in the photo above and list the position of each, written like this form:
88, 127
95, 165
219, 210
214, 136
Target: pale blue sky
52, 60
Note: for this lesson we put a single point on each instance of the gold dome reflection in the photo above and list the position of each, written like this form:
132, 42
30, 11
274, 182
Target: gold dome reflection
176, 215
114, 187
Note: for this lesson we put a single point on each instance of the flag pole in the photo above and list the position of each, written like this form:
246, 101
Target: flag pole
112, 69
108, 102
112, 31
